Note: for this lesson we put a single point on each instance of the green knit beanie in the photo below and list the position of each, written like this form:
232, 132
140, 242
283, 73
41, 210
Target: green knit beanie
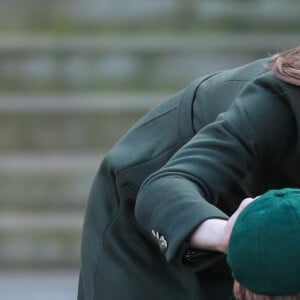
264, 247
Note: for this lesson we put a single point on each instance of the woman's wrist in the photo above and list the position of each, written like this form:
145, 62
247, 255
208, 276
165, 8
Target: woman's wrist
209, 235
214, 234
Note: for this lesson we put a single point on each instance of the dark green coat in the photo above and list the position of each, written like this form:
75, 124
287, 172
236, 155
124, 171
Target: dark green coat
198, 164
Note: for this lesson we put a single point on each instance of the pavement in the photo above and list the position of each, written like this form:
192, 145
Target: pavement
38, 284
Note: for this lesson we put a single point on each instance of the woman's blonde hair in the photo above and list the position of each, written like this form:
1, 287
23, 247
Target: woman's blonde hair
241, 293
286, 65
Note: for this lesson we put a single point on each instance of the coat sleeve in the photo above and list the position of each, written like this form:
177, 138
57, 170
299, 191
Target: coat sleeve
173, 201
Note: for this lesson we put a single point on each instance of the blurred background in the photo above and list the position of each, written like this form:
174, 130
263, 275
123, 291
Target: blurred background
74, 75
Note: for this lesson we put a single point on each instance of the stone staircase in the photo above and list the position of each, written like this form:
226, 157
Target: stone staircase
125, 62
75, 75
51, 148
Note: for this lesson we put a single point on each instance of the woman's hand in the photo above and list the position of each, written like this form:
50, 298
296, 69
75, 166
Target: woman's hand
225, 236
214, 234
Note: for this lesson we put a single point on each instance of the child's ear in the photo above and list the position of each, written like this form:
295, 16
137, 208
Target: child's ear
236, 289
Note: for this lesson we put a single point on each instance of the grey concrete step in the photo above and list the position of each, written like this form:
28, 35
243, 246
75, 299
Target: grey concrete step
46, 182
37, 284
138, 61
28, 240
69, 122
115, 13
79, 102
25, 44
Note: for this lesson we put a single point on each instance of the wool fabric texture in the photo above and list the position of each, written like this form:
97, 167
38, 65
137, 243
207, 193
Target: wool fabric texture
264, 247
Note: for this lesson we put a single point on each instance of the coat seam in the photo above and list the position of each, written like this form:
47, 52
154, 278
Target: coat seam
102, 243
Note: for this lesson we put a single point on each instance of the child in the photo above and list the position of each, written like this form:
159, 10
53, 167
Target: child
264, 248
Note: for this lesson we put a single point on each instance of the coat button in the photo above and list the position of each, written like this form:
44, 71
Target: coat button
160, 240
163, 245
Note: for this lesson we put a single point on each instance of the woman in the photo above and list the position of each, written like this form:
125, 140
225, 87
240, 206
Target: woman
156, 224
